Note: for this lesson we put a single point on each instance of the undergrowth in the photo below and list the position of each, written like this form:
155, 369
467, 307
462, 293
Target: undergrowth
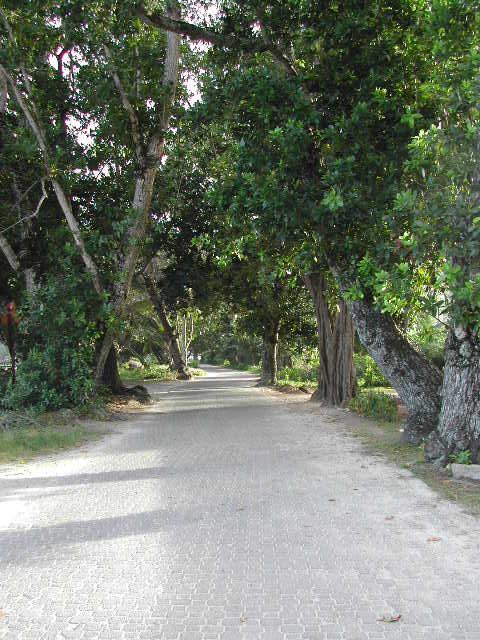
378, 404
24, 435
155, 372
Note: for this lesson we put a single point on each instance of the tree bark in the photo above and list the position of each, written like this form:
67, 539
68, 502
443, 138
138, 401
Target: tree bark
63, 199
459, 423
336, 373
147, 163
15, 261
269, 354
179, 365
111, 379
416, 380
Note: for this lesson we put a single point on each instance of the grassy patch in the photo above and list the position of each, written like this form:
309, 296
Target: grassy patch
383, 438
286, 385
379, 404
44, 434
155, 372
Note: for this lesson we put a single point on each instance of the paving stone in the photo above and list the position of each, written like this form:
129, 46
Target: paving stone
210, 516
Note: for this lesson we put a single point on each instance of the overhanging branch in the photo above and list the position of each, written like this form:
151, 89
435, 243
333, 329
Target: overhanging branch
200, 34
132, 114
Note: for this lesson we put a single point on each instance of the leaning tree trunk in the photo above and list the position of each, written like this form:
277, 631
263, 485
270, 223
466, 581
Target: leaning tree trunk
269, 354
111, 379
336, 372
459, 423
179, 365
416, 380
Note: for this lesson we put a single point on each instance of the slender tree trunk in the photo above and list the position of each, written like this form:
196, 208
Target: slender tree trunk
459, 423
179, 365
336, 373
416, 380
269, 354
147, 166
17, 262
184, 339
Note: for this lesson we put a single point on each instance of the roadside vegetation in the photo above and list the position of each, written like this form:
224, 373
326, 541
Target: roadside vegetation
25, 435
153, 372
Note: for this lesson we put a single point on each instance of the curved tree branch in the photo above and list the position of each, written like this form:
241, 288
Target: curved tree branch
9, 254
132, 114
276, 52
63, 199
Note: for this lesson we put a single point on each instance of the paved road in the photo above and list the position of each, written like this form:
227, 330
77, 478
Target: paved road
225, 513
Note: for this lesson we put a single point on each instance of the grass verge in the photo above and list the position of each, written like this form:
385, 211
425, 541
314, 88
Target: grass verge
42, 434
154, 373
383, 438
291, 386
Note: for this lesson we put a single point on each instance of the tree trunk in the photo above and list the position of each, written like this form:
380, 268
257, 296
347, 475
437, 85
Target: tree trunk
459, 423
416, 380
147, 165
179, 365
336, 373
269, 354
160, 353
111, 379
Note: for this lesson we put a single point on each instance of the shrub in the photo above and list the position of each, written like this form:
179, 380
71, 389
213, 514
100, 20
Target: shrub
462, 457
160, 372
368, 374
376, 404
429, 338
56, 344
226, 363
299, 373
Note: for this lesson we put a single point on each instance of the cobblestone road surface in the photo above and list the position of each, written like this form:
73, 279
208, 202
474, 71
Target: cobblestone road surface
224, 513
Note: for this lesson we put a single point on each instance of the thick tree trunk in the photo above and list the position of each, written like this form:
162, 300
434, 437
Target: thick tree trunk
416, 380
269, 354
179, 365
336, 373
459, 423
111, 379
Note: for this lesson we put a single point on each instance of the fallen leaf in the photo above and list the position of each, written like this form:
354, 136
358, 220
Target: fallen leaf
434, 539
445, 482
241, 509
389, 518
2, 614
390, 618
243, 619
